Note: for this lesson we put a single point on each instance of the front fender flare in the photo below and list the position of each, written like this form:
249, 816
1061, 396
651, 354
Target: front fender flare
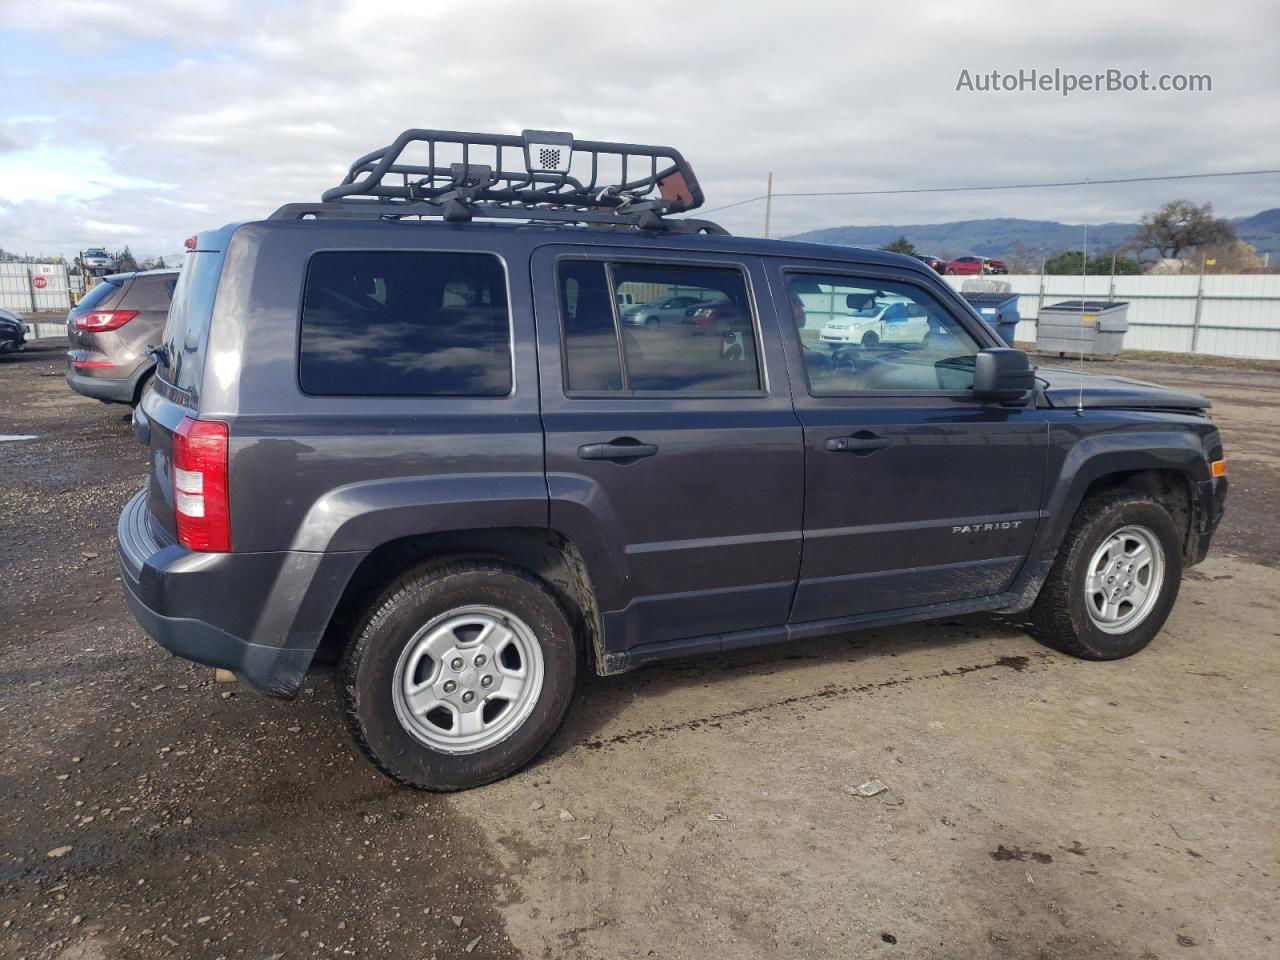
1090, 459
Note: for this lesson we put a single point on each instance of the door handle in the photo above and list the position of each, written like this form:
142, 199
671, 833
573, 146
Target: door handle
863, 442
623, 448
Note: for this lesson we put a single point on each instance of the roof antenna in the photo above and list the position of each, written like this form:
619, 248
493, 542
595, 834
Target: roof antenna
1084, 298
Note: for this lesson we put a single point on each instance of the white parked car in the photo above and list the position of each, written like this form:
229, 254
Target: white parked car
879, 321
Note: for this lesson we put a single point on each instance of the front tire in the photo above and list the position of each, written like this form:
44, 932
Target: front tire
458, 674
1115, 580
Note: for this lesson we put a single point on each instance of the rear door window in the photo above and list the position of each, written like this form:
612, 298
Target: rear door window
399, 323
657, 328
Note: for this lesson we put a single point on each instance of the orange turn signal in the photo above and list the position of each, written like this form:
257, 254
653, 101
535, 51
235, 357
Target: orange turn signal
1218, 468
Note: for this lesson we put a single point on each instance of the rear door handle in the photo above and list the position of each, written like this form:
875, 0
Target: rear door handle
623, 448
862, 442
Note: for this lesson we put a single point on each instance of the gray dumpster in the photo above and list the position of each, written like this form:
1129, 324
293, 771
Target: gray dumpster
1094, 328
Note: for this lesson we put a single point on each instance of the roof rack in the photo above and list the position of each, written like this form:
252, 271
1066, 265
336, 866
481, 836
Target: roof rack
543, 176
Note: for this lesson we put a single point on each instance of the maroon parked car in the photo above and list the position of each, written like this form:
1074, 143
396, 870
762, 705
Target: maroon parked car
973, 266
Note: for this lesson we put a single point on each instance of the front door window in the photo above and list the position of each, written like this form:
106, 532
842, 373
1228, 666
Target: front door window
877, 335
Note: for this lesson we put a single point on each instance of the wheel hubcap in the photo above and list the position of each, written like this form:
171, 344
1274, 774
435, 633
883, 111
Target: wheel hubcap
1124, 579
467, 679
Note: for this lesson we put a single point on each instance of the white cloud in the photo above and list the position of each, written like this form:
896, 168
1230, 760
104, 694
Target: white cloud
111, 229
265, 103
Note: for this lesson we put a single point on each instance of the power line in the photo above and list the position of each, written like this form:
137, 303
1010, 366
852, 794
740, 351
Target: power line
1005, 186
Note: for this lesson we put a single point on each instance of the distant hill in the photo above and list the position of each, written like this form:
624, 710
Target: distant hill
1263, 231
1001, 236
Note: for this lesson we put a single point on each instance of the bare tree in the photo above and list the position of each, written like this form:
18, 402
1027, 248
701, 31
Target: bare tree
1180, 226
1023, 259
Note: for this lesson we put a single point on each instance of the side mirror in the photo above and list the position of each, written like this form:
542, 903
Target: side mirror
1003, 375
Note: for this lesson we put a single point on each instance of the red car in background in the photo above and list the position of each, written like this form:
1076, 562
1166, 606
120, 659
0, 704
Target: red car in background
972, 266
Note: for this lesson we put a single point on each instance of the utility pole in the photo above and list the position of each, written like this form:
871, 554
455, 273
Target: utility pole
768, 204
1195, 323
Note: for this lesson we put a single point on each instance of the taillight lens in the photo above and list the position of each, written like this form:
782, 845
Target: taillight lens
98, 321
200, 495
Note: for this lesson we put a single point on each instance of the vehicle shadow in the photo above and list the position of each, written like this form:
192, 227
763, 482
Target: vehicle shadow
598, 700
36, 351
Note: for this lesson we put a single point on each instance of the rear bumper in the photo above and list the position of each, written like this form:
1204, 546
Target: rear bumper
261, 615
109, 389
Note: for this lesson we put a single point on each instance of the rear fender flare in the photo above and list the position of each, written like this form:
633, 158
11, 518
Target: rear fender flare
362, 516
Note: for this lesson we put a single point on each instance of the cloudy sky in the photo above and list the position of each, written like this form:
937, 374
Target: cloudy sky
140, 122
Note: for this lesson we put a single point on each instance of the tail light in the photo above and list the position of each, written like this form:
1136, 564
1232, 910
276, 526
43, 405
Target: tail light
99, 321
200, 495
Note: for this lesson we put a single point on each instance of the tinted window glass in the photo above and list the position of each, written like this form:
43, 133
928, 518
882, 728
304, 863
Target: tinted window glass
150, 292
590, 338
405, 324
100, 292
187, 326
683, 329
865, 335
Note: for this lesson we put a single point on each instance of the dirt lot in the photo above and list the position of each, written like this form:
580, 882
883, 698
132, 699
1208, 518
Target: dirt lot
1038, 806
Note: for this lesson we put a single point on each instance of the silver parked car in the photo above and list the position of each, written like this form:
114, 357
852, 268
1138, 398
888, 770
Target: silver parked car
667, 310
109, 330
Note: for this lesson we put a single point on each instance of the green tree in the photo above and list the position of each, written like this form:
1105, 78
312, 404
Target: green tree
901, 245
1180, 226
1068, 263
125, 262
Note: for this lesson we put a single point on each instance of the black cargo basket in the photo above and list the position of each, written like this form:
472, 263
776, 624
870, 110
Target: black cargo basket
540, 175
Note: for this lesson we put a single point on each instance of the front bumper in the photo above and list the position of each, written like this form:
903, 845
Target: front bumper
260, 615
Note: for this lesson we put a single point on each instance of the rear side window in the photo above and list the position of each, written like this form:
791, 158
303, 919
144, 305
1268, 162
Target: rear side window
405, 324
100, 292
150, 292
187, 328
657, 328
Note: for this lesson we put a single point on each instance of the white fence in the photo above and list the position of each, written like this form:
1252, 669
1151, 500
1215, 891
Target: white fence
34, 287
1224, 315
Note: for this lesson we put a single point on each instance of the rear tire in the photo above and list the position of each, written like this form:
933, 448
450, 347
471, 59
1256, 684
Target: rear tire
143, 384
1102, 600
426, 633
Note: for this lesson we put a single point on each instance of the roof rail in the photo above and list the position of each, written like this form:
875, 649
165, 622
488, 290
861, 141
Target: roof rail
542, 176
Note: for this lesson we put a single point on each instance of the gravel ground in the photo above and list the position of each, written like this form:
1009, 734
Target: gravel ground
1037, 806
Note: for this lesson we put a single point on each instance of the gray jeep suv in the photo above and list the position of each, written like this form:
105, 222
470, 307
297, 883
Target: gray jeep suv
388, 434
